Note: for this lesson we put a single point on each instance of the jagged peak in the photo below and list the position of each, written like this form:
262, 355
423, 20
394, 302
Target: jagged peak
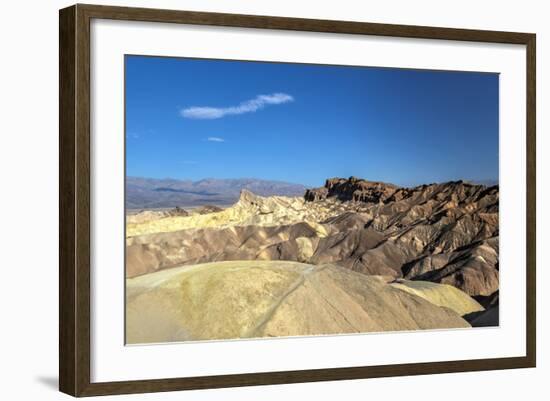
247, 196
352, 189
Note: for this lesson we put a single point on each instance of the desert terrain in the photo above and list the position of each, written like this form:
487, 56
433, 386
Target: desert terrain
349, 257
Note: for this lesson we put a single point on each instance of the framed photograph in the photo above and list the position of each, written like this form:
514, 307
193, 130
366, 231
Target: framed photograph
250, 200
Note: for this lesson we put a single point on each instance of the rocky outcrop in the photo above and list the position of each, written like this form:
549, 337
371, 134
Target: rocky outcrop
316, 194
226, 300
352, 189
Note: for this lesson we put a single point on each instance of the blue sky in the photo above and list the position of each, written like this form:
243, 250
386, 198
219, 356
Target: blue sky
194, 119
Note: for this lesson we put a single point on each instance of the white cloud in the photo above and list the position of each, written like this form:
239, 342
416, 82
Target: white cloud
248, 106
215, 139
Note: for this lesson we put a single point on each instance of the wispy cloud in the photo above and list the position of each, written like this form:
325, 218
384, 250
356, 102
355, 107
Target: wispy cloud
140, 133
215, 139
248, 106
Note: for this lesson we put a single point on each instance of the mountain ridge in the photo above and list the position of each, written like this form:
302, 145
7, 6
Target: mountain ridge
151, 193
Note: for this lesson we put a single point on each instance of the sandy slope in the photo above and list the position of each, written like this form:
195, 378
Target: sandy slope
246, 299
442, 295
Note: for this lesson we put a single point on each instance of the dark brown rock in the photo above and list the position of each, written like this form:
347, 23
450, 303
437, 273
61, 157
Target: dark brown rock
206, 209
316, 194
352, 189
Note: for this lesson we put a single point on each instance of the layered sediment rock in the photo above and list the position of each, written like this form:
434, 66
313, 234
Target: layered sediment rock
443, 233
352, 189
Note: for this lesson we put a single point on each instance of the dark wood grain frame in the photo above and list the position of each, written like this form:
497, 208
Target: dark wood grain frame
74, 199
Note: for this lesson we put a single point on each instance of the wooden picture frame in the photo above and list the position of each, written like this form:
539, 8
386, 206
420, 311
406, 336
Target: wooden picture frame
74, 200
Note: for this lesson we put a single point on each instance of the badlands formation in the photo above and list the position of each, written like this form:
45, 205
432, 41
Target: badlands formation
352, 256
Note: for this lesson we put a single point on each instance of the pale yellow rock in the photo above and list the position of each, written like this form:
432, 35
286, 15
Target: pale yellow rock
246, 299
249, 210
305, 248
441, 294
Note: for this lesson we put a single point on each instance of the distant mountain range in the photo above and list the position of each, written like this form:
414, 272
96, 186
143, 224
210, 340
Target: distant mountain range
151, 193
487, 182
